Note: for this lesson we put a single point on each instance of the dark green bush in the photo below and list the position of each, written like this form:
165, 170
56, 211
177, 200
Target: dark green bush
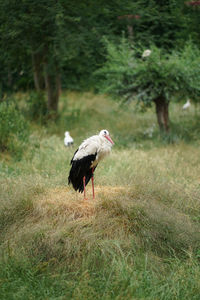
14, 129
37, 107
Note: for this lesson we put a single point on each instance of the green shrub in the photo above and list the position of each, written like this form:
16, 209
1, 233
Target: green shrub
37, 107
14, 129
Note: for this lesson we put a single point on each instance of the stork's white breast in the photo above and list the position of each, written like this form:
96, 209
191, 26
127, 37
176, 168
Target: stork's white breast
94, 145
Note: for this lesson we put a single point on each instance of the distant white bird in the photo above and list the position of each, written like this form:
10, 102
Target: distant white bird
86, 159
187, 104
146, 53
68, 140
149, 131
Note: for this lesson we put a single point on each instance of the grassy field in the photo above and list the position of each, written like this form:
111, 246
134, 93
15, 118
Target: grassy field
140, 237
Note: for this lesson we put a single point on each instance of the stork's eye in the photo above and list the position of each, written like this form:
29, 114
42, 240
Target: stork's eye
105, 132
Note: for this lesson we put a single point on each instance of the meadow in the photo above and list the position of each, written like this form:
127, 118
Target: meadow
139, 238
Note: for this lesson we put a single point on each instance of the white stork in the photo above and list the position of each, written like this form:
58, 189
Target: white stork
86, 159
68, 140
146, 53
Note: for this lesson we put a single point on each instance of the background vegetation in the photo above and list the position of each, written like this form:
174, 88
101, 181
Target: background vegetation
140, 237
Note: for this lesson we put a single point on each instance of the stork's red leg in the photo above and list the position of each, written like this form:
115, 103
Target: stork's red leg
84, 187
93, 183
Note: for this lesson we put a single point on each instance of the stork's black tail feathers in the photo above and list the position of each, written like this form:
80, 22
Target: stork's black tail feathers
79, 169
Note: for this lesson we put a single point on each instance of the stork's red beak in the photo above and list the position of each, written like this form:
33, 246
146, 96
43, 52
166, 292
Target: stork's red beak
109, 139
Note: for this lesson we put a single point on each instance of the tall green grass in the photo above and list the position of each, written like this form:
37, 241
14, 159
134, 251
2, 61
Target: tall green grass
139, 239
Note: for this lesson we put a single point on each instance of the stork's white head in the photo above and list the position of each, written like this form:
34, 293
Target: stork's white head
66, 133
104, 133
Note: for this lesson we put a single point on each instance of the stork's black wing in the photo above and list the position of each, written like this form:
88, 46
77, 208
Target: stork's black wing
79, 169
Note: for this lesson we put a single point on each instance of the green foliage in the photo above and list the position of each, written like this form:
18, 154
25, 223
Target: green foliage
14, 129
70, 36
189, 66
36, 107
127, 74
192, 15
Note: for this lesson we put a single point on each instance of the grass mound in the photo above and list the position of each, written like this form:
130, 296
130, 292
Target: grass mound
116, 245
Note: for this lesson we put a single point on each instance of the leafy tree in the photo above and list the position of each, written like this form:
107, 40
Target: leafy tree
55, 35
37, 30
192, 12
62, 40
159, 22
156, 78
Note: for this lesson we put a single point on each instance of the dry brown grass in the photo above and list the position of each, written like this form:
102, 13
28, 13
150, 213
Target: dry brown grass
61, 221
63, 200
59, 209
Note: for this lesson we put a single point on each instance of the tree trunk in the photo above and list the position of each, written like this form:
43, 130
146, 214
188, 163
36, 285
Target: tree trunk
10, 79
130, 33
38, 71
162, 113
166, 116
52, 83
